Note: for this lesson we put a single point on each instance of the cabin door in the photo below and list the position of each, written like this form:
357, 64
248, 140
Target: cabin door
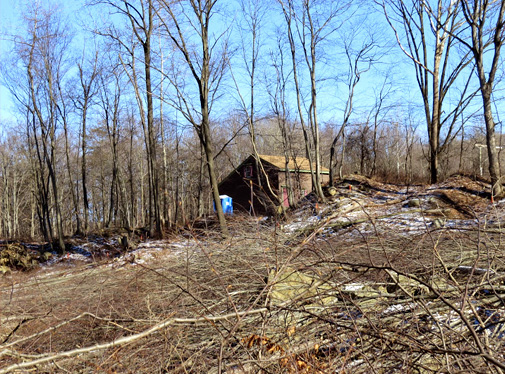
285, 199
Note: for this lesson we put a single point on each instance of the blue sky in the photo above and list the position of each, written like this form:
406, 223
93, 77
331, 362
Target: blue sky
8, 16
332, 95
10, 13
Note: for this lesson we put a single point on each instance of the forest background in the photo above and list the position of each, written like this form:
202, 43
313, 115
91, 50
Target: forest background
127, 114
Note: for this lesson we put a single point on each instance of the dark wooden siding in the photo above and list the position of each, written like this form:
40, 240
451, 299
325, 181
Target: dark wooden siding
238, 186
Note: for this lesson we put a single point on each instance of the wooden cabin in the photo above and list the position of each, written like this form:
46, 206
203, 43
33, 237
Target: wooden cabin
260, 187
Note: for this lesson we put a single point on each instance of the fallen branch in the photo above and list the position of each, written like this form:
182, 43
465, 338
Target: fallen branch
50, 329
126, 339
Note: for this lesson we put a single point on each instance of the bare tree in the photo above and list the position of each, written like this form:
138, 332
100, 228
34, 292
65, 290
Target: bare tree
14, 179
478, 15
309, 25
277, 92
429, 38
377, 112
41, 54
141, 18
359, 61
63, 105
187, 24
83, 102
253, 12
110, 96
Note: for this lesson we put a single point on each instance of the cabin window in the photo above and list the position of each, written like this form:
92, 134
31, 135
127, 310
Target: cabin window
248, 171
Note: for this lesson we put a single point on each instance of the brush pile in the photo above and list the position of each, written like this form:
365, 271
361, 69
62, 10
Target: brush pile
17, 256
348, 288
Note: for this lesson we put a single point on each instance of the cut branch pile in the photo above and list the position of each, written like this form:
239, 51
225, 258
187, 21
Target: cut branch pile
268, 301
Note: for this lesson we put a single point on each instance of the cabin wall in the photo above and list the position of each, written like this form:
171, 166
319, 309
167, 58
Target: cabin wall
301, 182
243, 186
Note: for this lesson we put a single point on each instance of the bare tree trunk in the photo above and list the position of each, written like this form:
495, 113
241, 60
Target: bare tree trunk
84, 174
133, 219
199, 63
141, 19
201, 198
461, 150
492, 153
47, 126
154, 201
342, 156
278, 103
209, 154
84, 102
41, 194
74, 194
433, 62
310, 59
164, 215
476, 14
109, 102
288, 16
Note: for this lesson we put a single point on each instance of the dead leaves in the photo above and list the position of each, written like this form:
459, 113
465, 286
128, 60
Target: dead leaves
304, 363
262, 342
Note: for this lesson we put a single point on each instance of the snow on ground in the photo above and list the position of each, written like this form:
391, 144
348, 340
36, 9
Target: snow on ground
370, 208
378, 208
160, 248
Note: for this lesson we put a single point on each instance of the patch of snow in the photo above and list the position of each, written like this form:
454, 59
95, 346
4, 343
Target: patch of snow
351, 287
147, 251
399, 308
292, 227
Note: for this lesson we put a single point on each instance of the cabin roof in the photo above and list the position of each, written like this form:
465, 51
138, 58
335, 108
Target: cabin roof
300, 164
